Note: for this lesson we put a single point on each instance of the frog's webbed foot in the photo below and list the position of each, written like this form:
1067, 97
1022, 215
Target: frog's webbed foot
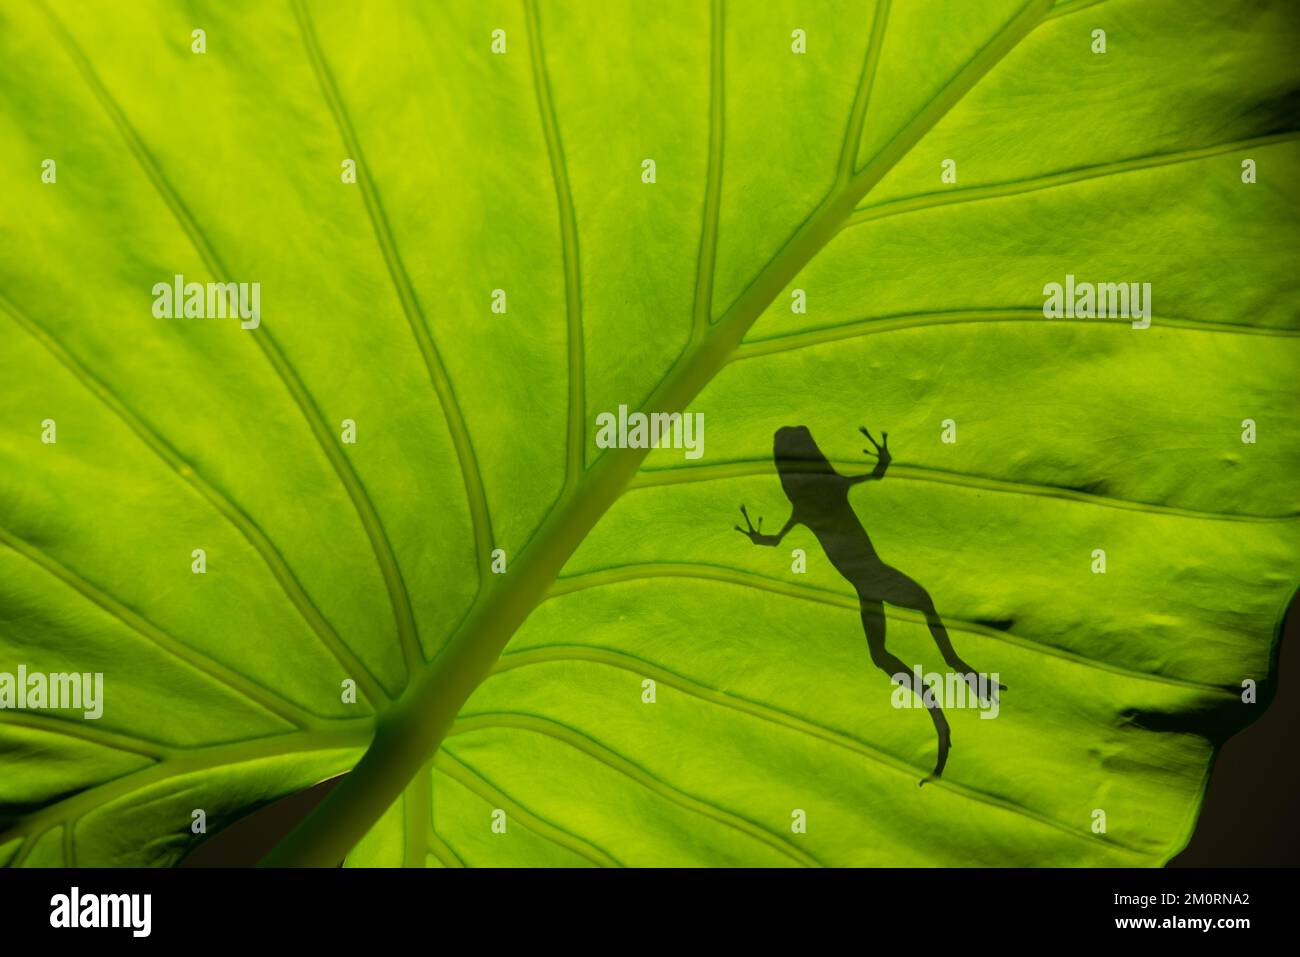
881, 447
755, 535
983, 686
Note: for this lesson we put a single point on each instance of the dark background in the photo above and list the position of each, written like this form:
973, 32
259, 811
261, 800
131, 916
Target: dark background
1249, 818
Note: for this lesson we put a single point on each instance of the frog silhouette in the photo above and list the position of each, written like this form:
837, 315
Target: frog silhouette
819, 497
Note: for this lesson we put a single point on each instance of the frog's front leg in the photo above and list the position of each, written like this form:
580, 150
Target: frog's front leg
756, 535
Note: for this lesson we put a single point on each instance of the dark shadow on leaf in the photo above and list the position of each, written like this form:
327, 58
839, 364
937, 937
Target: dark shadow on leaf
251, 838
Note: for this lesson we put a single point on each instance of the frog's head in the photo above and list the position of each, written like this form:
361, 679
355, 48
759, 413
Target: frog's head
796, 452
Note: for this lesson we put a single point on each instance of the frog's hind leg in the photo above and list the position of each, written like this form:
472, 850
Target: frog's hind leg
873, 623
904, 592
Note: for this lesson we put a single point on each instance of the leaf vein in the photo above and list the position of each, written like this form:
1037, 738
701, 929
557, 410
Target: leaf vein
443, 851
708, 252
790, 342
231, 512
1073, 6
345, 735
418, 323
973, 194
476, 781
115, 741
697, 570
264, 339
774, 715
255, 692
652, 478
870, 62
581, 742
574, 443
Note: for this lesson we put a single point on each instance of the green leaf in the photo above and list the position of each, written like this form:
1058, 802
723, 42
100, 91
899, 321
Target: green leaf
522, 171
